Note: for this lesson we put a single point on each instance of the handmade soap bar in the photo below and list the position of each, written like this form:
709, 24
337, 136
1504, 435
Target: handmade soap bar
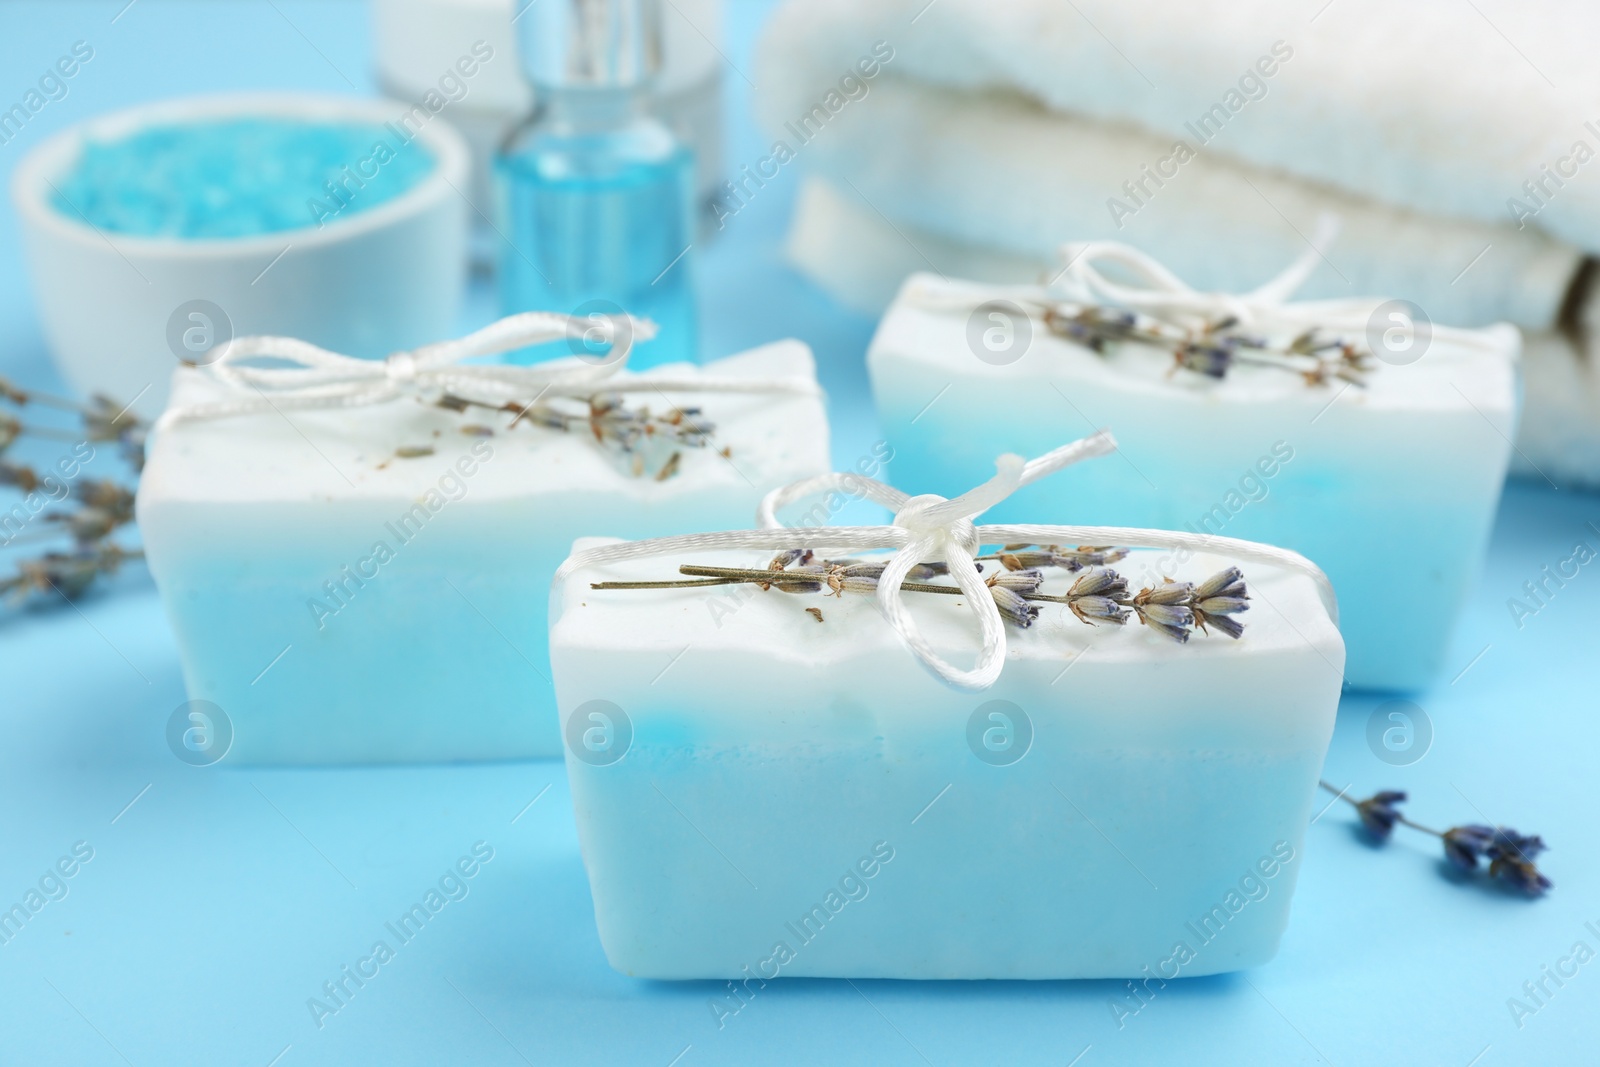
767, 783
366, 583
1389, 485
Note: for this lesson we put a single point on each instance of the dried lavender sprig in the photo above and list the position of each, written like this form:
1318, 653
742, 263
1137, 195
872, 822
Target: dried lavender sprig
67, 573
1216, 348
12, 429
102, 505
20, 475
611, 422
1171, 609
101, 417
1510, 855
15, 394
103, 420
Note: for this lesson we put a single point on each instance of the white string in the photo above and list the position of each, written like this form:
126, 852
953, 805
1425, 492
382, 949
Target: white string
1164, 296
932, 529
325, 379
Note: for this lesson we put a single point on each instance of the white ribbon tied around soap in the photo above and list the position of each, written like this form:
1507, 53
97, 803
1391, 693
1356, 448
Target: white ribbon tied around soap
1165, 297
324, 379
931, 529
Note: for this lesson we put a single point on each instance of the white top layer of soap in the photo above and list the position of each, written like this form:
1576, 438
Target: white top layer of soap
1448, 376
1286, 613
349, 453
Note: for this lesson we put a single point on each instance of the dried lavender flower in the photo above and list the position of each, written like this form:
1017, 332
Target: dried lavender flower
1379, 814
862, 569
1463, 845
1212, 359
1017, 561
1165, 609
838, 576
1099, 594
25, 479
105, 420
69, 573
109, 496
1219, 597
1015, 608
1096, 327
840, 584
87, 525
1069, 559
788, 557
1098, 555
1104, 582
1019, 581
797, 587
802, 557
1511, 856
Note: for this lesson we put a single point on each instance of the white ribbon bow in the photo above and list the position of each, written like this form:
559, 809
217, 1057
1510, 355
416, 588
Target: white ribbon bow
326, 379
930, 529
1165, 297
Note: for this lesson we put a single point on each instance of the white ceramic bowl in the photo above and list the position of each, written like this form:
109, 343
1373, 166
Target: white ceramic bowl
366, 283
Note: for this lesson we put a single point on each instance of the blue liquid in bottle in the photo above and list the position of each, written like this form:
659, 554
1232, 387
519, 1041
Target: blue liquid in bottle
597, 202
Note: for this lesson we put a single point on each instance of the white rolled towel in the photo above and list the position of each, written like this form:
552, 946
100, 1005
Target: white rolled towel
995, 132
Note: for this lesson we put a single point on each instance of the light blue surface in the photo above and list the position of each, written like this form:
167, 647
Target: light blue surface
218, 901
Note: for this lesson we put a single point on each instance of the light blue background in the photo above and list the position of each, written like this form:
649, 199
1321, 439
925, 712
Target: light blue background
221, 899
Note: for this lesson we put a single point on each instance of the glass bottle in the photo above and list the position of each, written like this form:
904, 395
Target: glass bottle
596, 196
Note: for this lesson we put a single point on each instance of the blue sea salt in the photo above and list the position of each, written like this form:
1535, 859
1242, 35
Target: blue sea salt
239, 177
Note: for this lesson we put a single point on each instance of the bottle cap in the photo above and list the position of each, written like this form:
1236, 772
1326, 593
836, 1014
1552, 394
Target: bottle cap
595, 44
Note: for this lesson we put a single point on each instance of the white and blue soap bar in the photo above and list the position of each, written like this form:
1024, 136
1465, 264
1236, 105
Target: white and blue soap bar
368, 584
763, 793
1390, 488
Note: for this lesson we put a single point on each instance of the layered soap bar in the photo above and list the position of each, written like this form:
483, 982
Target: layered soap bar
1390, 486
767, 783
367, 583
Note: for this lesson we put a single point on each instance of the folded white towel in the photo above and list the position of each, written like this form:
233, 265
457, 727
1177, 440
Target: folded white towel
997, 170
1442, 107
